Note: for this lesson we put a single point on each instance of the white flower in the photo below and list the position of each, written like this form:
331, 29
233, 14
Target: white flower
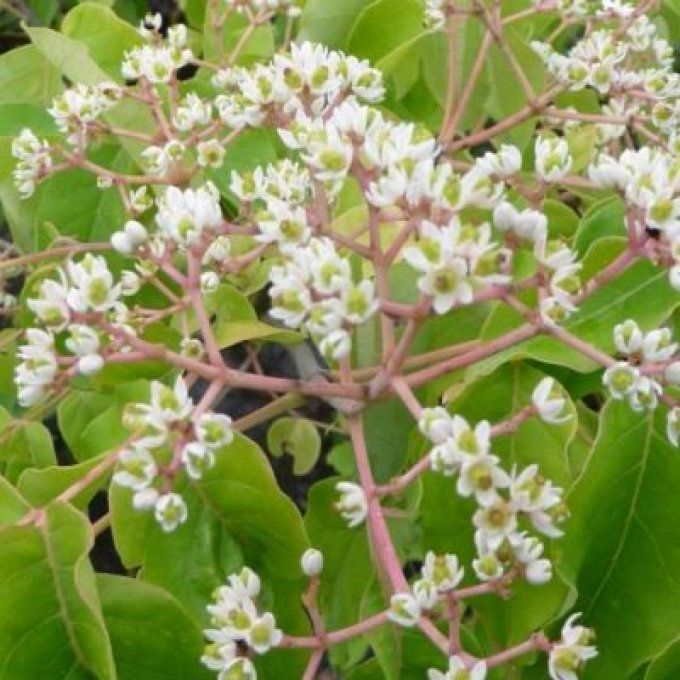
311, 562
51, 307
628, 337
263, 634
92, 285
283, 224
130, 282
554, 309
209, 282
567, 657
446, 458
145, 499
481, 475
352, 504
448, 285
550, 402
458, 670
442, 570
358, 302
149, 427
240, 668
658, 346
645, 396
291, 299
674, 276
170, 403
471, 441
136, 469
404, 610
506, 162
621, 379
214, 430
83, 340
553, 160
496, 521
184, 215
170, 511
488, 567
336, 345
436, 424
197, 458
90, 363
426, 593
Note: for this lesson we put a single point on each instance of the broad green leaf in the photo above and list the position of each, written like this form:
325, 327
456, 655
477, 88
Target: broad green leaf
621, 550
393, 50
51, 619
241, 492
24, 445
506, 95
229, 333
347, 568
259, 45
151, 635
297, 437
91, 422
27, 76
667, 664
39, 487
329, 23
106, 36
70, 57
605, 218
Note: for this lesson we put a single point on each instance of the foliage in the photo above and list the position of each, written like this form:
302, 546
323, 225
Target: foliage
344, 334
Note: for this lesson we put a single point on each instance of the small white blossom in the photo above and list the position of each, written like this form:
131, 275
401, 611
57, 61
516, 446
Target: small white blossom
352, 504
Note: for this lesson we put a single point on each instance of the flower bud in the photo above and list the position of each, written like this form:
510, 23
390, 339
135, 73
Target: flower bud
90, 363
122, 243
312, 562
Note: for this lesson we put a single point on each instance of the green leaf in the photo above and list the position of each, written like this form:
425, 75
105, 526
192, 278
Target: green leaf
506, 95
667, 664
70, 57
393, 51
51, 619
25, 444
231, 333
621, 550
106, 36
347, 568
329, 22
297, 437
26, 75
605, 218
91, 422
39, 487
151, 635
241, 493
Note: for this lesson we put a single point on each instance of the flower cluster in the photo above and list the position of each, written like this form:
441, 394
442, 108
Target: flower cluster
167, 437
62, 307
307, 80
503, 498
237, 624
158, 61
646, 354
33, 161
